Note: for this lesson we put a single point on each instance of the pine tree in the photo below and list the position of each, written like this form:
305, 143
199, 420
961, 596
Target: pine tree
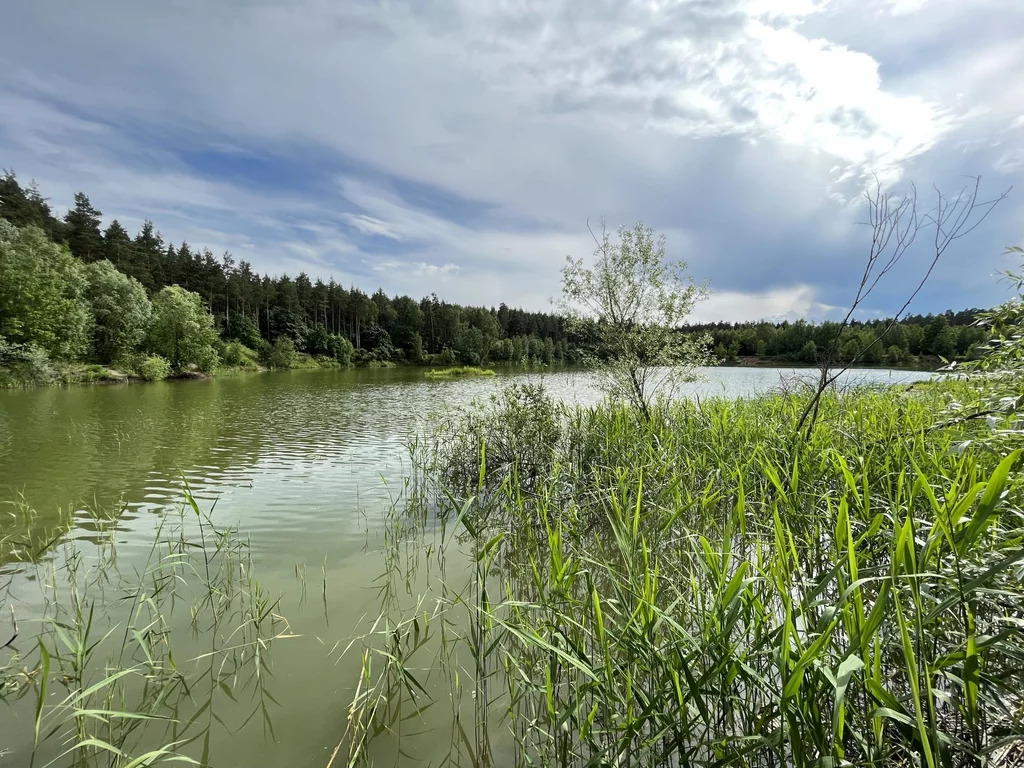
83, 230
117, 246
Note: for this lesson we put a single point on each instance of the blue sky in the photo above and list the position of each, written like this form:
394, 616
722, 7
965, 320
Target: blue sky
460, 147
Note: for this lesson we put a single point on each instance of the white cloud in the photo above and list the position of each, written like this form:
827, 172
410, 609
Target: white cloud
1011, 161
368, 225
478, 138
777, 304
420, 268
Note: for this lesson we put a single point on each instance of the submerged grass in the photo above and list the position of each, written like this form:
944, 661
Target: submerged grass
703, 588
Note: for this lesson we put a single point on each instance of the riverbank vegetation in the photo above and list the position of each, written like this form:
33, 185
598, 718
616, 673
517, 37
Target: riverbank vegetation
915, 340
702, 586
698, 588
323, 320
815, 577
460, 372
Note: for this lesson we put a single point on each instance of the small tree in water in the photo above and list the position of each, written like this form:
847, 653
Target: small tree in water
631, 303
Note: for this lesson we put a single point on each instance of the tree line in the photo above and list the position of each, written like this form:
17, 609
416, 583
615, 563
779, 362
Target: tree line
72, 290
317, 317
948, 335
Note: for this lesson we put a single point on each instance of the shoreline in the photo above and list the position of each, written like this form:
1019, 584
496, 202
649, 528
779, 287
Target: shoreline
91, 374
924, 364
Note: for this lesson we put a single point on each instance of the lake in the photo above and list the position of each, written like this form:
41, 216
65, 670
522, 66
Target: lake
304, 462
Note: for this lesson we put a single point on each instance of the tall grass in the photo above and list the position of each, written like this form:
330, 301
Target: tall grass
131, 665
702, 588
459, 372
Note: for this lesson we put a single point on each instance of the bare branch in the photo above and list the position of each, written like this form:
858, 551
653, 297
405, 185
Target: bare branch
894, 229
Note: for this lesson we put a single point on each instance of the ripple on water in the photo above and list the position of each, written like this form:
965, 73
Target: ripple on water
312, 454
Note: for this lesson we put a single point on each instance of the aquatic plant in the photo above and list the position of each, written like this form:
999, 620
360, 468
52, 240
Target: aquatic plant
131, 666
465, 370
694, 588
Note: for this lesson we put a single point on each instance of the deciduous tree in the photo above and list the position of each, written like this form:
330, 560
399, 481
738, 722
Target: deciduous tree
42, 294
640, 299
182, 329
121, 309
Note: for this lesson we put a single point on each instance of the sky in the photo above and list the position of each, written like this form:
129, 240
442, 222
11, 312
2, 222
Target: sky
463, 147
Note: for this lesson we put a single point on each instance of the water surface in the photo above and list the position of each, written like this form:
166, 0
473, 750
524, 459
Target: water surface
305, 462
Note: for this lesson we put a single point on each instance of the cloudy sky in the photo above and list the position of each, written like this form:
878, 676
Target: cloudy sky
461, 146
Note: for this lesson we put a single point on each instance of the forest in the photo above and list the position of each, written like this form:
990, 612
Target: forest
100, 302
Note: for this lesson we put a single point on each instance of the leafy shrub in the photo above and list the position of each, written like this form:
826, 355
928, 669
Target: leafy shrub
341, 349
182, 330
121, 309
153, 368
445, 357
23, 365
243, 329
42, 293
321, 343
238, 355
520, 427
894, 355
281, 354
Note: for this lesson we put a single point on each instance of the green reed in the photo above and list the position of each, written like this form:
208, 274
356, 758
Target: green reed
704, 588
109, 665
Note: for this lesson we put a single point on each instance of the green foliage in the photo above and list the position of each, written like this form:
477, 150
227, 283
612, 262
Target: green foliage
153, 368
694, 589
952, 335
995, 405
445, 357
237, 355
851, 349
288, 323
341, 349
92, 373
82, 230
121, 309
281, 354
182, 330
244, 330
252, 307
42, 294
633, 301
319, 341
809, 353
460, 372
26, 207
108, 678
383, 330
894, 355
23, 365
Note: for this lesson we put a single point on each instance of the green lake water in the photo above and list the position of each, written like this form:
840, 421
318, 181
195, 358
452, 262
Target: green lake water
304, 463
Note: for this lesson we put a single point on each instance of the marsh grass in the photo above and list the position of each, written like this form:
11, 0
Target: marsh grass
701, 588
459, 372
126, 665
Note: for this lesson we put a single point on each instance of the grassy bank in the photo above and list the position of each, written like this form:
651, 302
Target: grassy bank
704, 588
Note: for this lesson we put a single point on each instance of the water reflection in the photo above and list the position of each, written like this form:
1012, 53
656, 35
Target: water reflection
285, 453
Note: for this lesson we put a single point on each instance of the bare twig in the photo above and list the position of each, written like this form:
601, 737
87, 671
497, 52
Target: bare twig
895, 224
